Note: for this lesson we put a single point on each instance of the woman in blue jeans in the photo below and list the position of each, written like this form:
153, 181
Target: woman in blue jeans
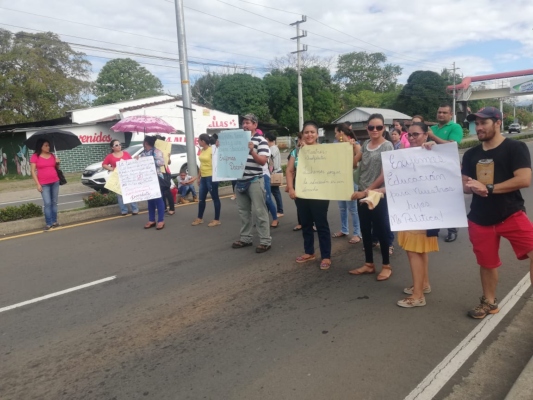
153, 204
44, 166
205, 182
275, 167
343, 134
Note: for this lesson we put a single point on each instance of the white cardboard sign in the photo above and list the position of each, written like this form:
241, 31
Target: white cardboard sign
138, 180
424, 188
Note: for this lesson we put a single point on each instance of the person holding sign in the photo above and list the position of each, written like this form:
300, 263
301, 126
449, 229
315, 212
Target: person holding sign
205, 182
418, 243
310, 210
494, 172
110, 163
377, 218
153, 204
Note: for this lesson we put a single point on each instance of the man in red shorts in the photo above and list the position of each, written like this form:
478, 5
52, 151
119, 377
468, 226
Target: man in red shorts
494, 172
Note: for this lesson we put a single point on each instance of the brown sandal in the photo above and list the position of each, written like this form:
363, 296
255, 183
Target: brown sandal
305, 258
382, 277
368, 268
325, 264
149, 225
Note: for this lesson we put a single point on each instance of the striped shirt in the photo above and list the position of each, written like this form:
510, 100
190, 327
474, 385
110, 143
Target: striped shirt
253, 169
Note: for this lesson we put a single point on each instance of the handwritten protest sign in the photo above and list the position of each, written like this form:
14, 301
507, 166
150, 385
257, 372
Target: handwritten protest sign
113, 182
166, 148
325, 172
138, 180
229, 159
424, 188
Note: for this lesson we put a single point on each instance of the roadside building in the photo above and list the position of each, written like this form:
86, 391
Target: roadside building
93, 126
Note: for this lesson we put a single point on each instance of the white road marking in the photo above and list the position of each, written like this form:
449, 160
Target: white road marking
442, 373
49, 296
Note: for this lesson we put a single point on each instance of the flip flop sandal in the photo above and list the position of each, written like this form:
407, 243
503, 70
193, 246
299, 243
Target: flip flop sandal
338, 235
305, 258
356, 239
391, 250
297, 228
325, 265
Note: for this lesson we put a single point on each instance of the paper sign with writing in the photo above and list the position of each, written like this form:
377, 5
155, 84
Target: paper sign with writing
138, 180
424, 188
166, 148
113, 182
325, 172
229, 159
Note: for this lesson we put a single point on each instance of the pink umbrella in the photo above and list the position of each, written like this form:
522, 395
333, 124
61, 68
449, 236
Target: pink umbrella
143, 123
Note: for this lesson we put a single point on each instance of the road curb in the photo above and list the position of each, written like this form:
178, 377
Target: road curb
75, 216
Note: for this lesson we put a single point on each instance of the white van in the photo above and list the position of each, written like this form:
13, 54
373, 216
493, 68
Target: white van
95, 176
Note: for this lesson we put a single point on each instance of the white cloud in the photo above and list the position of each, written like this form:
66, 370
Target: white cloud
419, 34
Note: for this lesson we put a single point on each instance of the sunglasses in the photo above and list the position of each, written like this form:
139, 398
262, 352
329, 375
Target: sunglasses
414, 135
375, 128
116, 145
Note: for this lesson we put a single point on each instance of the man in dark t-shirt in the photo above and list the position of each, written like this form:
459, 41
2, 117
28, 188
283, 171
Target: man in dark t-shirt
494, 172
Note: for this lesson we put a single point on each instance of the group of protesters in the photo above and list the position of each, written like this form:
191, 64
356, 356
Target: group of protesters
497, 208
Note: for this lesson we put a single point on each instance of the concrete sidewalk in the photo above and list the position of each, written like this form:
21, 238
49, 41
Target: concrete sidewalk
523, 387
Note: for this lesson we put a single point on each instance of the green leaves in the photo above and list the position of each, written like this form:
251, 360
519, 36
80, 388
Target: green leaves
13, 213
41, 77
125, 79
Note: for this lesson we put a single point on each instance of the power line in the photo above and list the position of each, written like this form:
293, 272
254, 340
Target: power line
125, 32
344, 33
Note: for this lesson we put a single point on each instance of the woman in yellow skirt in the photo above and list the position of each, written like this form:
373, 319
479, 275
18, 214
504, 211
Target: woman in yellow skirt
418, 244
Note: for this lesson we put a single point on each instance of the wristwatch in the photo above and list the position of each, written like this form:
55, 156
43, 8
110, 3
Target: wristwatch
490, 188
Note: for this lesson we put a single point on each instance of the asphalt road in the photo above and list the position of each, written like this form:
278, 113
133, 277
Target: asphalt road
187, 317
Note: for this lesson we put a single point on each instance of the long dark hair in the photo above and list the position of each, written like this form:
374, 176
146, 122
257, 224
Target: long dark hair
423, 126
343, 127
376, 116
205, 138
150, 140
39, 145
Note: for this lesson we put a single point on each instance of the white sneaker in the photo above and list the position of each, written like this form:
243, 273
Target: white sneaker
409, 302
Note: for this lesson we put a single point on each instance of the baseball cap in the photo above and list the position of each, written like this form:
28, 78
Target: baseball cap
251, 117
486, 112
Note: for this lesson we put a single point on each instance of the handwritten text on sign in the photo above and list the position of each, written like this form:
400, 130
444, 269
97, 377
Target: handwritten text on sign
325, 172
230, 157
424, 188
138, 180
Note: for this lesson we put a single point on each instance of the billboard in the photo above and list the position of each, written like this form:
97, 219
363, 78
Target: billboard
522, 85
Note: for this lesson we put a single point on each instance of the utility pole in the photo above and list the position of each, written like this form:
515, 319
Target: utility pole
453, 109
299, 50
186, 90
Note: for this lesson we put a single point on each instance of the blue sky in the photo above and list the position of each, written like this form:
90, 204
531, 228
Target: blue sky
247, 34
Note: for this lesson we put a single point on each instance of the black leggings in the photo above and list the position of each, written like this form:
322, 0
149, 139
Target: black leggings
168, 198
379, 218
316, 211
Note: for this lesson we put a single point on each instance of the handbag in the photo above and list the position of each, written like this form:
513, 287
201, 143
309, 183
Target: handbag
276, 179
357, 174
61, 176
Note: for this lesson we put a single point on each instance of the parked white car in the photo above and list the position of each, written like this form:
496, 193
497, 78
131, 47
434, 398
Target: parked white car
95, 177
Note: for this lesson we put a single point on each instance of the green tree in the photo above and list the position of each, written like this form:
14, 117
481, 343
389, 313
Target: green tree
524, 116
41, 77
124, 79
447, 75
423, 93
241, 94
321, 96
204, 88
358, 71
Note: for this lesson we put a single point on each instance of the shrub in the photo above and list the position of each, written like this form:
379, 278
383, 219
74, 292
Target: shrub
24, 211
97, 199
466, 132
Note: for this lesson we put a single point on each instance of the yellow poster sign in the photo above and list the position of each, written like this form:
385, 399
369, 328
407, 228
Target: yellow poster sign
325, 172
113, 183
165, 147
